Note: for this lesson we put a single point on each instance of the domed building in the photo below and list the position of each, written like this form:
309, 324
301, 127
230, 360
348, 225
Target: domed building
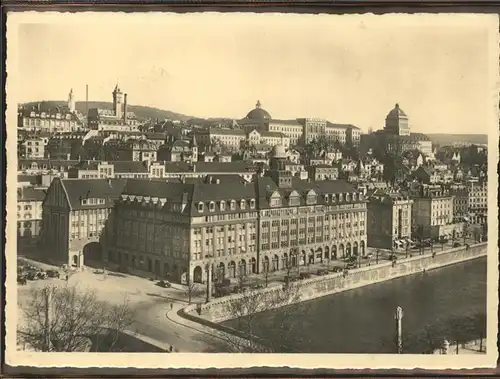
396, 122
258, 114
396, 137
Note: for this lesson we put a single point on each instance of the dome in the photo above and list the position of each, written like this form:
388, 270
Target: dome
258, 113
397, 112
278, 151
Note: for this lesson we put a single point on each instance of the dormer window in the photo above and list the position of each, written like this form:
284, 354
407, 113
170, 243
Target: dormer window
233, 205
333, 198
354, 197
252, 204
311, 197
243, 204
222, 205
211, 206
341, 197
327, 198
347, 197
200, 207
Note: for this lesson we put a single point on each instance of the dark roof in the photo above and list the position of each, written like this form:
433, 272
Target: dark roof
129, 166
32, 179
50, 163
258, 113
78, 189
265, 186
211, 167
156, 136
30, 194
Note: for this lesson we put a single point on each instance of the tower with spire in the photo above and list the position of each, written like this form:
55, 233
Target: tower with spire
194, 148
71, 101
118, 102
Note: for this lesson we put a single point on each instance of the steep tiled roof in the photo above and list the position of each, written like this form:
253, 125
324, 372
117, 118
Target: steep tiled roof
78, 189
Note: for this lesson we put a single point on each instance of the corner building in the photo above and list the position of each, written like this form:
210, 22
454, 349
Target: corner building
179, 230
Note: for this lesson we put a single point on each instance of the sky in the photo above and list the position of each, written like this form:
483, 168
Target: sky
346, 69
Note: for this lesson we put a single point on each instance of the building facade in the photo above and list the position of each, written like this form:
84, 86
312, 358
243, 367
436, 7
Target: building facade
389, 220
77, 214
432, 212
29, 216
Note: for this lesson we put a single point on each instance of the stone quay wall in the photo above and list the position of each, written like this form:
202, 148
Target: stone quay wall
218, 309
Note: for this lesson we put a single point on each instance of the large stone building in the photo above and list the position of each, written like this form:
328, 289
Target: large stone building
396, 137
229, 226
76, 217
432, 213
117, 119
389, 219
478, 201
29, 215
50, 118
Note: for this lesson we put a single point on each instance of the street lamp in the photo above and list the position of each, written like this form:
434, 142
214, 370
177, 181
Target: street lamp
209, 277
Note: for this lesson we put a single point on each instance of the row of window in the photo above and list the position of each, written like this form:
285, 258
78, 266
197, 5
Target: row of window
222, 205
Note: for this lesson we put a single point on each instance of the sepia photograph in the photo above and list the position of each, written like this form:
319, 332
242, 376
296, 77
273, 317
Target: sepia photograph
244, 190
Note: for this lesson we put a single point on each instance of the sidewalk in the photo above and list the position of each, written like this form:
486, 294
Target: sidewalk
471, 347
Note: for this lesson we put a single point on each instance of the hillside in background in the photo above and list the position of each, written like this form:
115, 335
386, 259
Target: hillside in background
141, 111
449, 139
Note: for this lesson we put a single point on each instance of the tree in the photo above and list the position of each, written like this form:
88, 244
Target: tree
193, 290
244, 310
64, 319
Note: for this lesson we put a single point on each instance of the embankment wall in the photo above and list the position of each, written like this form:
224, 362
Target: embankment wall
219, 309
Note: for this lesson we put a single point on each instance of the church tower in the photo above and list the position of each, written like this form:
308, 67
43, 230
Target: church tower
118, 102
71, 101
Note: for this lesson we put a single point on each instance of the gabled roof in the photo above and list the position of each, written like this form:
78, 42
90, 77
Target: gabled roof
78, 189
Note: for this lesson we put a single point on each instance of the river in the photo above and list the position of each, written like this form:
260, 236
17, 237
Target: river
449, 302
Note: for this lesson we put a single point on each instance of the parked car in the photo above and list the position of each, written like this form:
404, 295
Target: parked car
456, 244
337, 269
321, 272
351, 265
53, 274
41, 275
164, 284
393, 257
368, 256
31, 275
21, 280
304, 275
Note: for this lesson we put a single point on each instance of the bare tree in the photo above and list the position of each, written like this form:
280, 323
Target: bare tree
193, 290
244, 311
65, 319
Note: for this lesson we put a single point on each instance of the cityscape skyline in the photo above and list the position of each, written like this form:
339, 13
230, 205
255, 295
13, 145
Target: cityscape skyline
186, 80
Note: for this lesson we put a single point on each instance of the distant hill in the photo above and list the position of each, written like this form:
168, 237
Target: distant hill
141, 111
449, 139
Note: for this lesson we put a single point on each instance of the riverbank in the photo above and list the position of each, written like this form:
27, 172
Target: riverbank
222, 309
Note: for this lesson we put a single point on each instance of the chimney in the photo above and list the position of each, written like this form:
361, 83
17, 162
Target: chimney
125, 108
194, 168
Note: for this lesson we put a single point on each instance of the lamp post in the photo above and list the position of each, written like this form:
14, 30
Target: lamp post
209, 278
399, 329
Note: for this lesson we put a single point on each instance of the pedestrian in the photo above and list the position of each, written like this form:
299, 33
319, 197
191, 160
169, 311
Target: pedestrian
171, 306
171, 348
67, 277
